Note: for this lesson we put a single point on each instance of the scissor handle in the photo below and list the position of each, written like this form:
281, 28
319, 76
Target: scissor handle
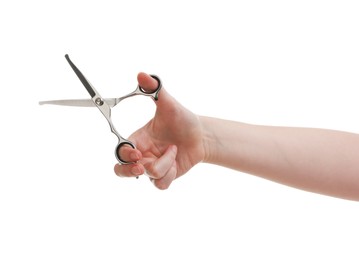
117, 150
154, 93
138, 91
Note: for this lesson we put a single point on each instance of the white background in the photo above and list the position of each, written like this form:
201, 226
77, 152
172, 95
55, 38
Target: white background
265, 62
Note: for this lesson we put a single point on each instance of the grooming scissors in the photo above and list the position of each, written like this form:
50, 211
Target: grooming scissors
105, 105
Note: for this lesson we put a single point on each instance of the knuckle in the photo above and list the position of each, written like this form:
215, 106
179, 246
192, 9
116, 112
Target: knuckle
153, 171
162, 185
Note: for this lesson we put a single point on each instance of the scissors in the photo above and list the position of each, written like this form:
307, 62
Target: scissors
105, 105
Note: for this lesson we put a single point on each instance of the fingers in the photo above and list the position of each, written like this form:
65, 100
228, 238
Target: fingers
166, 181
163, 170
129, 170
129, 154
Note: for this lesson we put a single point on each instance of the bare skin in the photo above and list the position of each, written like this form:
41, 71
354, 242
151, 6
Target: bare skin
175, 140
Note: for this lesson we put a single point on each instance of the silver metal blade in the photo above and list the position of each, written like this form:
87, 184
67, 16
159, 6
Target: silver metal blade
78, 102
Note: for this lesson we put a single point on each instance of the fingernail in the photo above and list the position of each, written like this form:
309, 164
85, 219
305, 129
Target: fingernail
135, 170
174, 149
134, 156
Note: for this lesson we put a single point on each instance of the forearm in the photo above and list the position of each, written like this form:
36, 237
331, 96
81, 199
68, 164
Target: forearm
322, 161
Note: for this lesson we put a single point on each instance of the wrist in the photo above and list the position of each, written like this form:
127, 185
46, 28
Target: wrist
209, 139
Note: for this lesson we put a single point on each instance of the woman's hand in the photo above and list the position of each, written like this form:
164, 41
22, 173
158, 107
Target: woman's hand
168, 145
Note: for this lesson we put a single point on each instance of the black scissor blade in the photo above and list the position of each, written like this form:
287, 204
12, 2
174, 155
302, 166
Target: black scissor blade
81, 77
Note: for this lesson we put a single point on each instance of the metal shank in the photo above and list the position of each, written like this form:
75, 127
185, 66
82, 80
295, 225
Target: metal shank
140, 91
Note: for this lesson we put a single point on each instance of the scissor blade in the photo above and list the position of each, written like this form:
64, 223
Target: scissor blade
78, 102
82, 78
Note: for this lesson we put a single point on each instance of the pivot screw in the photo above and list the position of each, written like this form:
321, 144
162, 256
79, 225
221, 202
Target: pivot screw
99, 101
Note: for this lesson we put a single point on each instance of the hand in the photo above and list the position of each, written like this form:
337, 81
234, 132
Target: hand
168, 145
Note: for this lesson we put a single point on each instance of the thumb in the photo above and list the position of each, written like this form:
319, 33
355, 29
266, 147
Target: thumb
150, 84
147, 82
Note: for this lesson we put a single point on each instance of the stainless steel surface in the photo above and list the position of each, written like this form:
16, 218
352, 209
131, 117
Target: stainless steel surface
78, 102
